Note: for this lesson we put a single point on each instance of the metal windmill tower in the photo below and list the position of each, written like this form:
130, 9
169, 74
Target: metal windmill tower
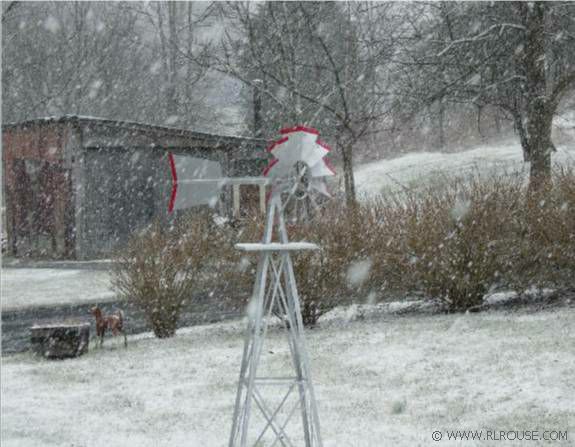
296, 172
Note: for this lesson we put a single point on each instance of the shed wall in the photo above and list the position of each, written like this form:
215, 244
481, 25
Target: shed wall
38, 190
124, 190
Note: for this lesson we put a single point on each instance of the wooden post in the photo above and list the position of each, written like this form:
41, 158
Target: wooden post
236, 200
263, 199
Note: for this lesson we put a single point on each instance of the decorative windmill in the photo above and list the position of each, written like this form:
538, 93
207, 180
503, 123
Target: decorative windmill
297, 172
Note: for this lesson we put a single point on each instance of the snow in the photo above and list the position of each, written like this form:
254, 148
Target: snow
171, 120
460, 208
52, 24
67, 324
391, 381
276, 246
156, 67
565, 121
504, 297
244, 264
423, 168
372, 310
358, 272
500, 297
23, 287
95, 88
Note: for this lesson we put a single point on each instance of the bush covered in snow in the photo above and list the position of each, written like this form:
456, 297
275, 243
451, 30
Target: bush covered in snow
318, 284
453, 242
331, 276
545, 245
160, 266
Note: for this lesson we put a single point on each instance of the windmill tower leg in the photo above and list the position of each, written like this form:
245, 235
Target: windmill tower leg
299, 352
275, 291
248, 367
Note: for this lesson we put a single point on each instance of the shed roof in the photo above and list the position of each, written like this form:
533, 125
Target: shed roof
140, 127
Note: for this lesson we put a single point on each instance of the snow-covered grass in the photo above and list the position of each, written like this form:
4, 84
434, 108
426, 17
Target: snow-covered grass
427, 168
389, 381
24, 287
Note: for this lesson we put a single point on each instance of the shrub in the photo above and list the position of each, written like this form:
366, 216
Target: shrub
317, 293
237, 268
546, 243
457, 241
448, 242
453, 242
160, 266
322, 276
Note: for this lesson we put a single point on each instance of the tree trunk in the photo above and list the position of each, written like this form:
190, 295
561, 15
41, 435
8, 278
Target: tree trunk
520, 129
540, 148
538, 113
346, 148
257, 104
172, 106
441, 125
497, 122
189, 110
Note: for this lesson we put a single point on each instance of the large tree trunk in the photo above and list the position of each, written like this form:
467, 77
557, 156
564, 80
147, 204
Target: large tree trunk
540, 146
539, 111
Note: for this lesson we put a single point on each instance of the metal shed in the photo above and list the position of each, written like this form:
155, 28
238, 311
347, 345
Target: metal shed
76, 187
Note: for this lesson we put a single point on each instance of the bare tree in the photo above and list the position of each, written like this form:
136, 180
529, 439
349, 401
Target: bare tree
111, 59
318, 64
516, 56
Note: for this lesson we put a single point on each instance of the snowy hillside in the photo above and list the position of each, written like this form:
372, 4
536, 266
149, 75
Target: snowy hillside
418, 169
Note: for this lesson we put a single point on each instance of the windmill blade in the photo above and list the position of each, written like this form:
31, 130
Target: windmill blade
321, 169
299, 145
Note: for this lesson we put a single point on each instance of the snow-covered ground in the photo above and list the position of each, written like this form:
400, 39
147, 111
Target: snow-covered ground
24, 287
417, 169
389, 381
